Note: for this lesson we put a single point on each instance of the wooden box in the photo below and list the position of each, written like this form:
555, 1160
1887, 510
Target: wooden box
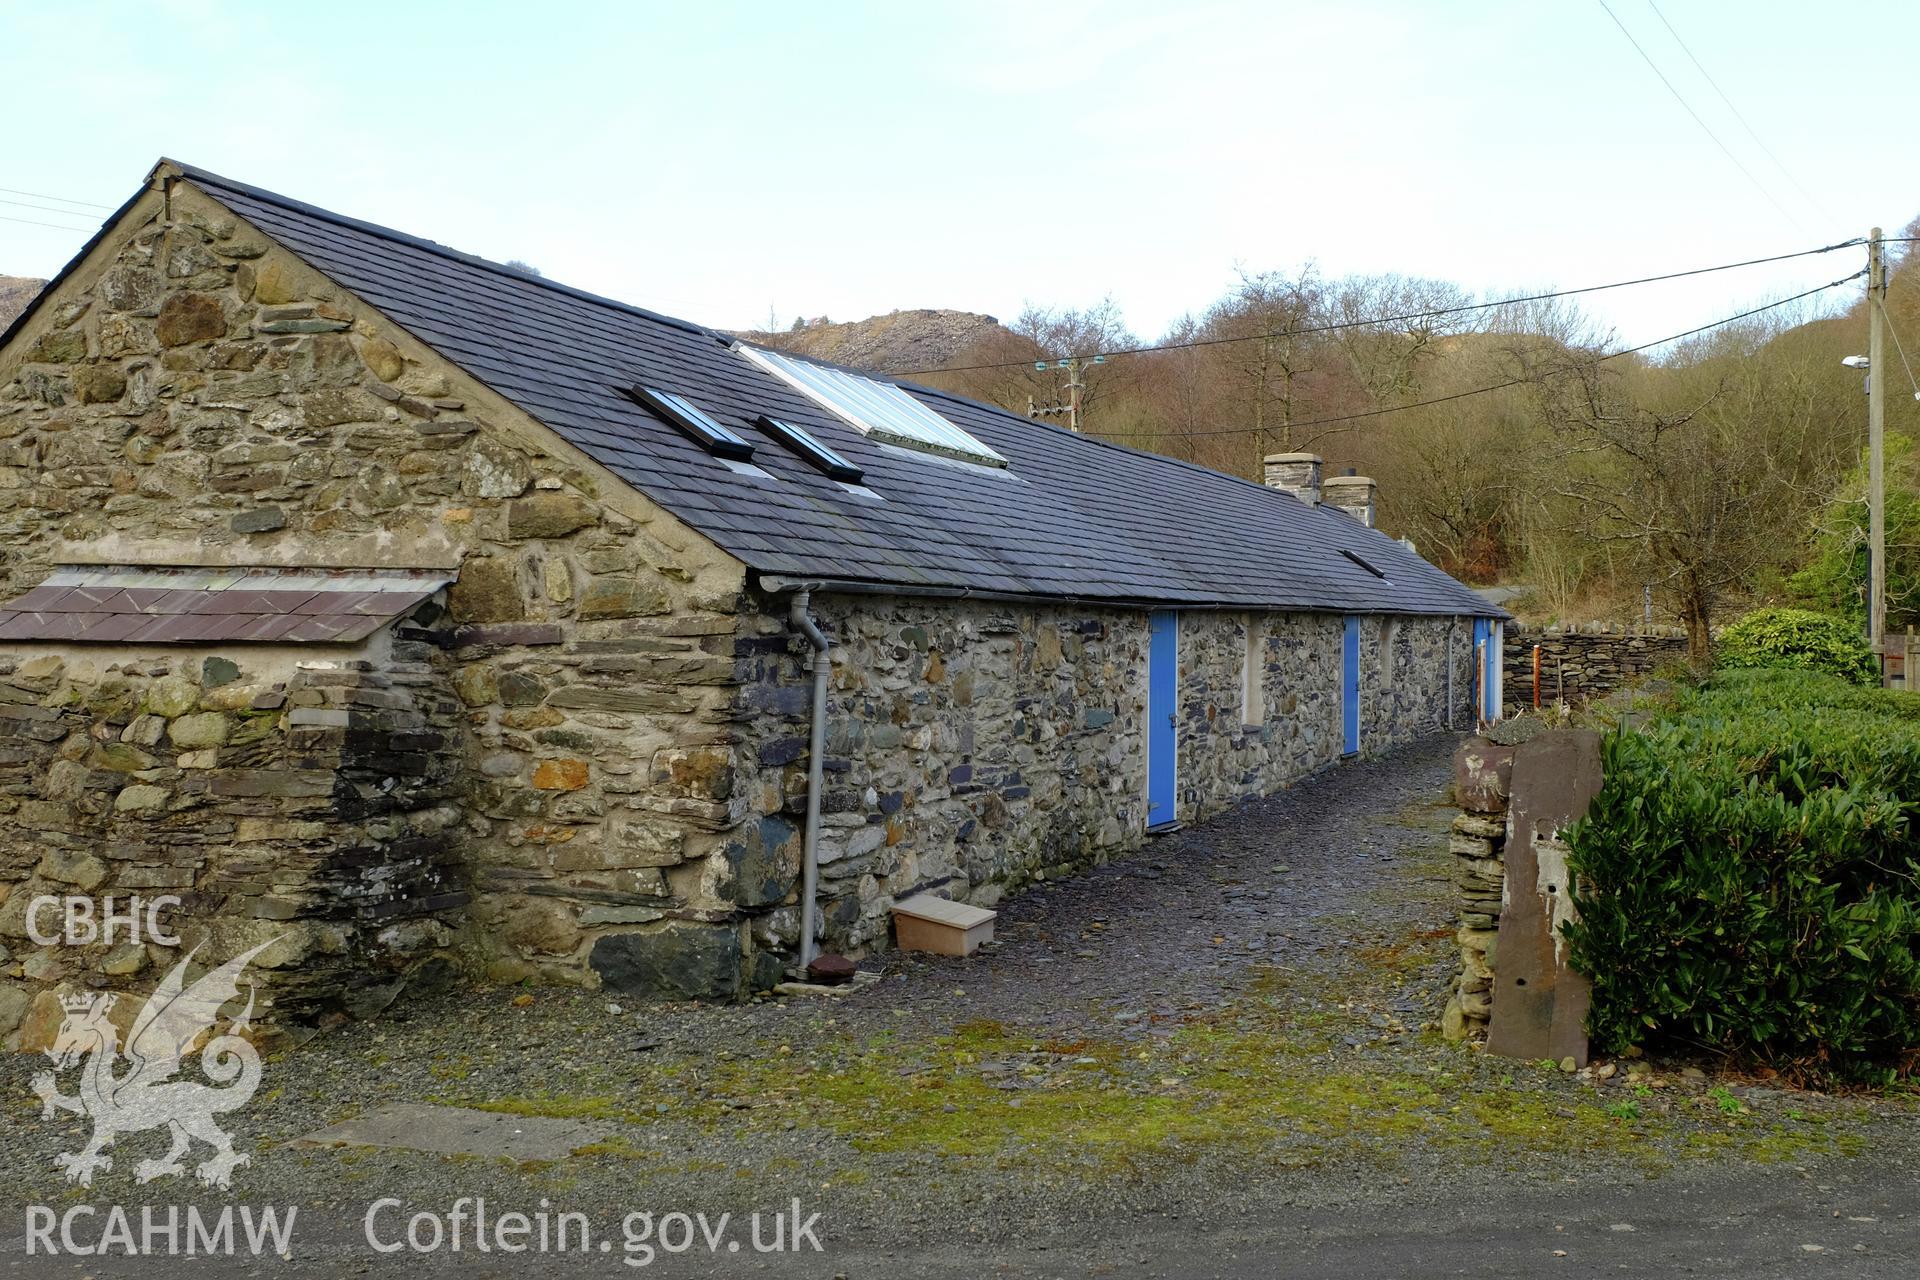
926, 923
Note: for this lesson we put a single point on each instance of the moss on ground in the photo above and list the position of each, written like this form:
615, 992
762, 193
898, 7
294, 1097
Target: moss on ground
1256, 1080
1301, 1066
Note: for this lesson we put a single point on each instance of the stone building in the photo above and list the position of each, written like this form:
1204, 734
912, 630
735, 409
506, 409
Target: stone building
415, 615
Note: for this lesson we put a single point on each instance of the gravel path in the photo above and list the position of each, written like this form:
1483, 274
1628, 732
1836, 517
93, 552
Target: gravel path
1220, 1047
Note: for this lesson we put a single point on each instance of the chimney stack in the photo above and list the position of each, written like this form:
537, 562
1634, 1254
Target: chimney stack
1295, 473
1353, 494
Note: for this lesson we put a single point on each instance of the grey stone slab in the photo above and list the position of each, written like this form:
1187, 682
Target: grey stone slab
1539, 1000
459, 1131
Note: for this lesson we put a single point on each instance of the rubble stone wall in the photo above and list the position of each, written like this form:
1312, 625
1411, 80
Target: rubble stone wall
1483, 777
290, 797
974, 747
1578, 664
194, 394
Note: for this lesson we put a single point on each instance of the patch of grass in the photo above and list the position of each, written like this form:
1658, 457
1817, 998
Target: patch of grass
1265, 1080
618, 1149
1242, 1084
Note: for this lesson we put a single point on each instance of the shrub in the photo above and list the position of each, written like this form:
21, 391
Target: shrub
1834, 579
1748, 878
1798, 639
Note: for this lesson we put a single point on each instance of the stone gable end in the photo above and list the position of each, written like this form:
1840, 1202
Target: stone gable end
193, 393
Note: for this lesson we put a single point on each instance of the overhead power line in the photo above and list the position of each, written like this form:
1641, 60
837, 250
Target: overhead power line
57, 226
44, 208
1895, 335
1480, 391
1402, 318
1704, 127
89, 204
1808, 196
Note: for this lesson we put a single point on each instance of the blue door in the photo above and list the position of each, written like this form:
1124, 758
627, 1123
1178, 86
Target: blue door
1350, 686
1482, 667
1490, 680
1163, 706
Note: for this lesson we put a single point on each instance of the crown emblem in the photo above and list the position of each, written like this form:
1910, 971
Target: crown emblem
82, 1002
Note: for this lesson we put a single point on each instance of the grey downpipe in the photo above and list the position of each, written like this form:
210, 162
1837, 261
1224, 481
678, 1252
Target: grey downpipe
1453, 629
819, 664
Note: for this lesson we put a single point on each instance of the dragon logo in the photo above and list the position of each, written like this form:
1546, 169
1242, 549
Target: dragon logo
146, 1096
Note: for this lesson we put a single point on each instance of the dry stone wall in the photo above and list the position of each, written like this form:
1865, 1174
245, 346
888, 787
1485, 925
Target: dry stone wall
1483, 780
1578, 664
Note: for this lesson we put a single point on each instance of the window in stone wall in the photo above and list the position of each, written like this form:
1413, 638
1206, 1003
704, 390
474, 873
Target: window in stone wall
1253, 672
1389, 634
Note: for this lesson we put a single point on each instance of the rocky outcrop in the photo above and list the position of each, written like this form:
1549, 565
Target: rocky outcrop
15, 293
896, 343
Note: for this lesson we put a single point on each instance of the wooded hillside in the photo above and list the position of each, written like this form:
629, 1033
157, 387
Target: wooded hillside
1719, 470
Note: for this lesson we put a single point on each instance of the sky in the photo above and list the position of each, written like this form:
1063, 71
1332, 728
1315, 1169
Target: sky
727, 162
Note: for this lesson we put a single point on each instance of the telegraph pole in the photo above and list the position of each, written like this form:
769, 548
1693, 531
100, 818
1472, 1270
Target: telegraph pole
1876, 447
1075, 387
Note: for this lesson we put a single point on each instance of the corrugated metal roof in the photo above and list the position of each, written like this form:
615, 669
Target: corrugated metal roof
148, 605
1071, 516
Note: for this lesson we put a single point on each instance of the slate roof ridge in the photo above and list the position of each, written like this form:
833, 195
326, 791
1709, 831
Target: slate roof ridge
209, 178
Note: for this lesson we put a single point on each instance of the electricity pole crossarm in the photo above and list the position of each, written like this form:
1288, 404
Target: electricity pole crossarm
1075, 387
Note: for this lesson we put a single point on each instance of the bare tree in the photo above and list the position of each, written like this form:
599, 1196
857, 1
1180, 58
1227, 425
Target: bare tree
1707, 468
1384, 353
1264, 358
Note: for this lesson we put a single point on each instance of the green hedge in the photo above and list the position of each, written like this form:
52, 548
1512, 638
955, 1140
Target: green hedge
1797, 640
1748, 879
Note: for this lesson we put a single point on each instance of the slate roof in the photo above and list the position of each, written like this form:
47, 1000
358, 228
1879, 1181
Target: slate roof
1070, 517
121, 605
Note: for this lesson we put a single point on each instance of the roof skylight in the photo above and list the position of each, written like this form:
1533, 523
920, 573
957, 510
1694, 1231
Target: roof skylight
880, 409
687, 416
804, 443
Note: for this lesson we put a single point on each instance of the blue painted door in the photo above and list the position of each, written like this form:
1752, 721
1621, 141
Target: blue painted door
1350, 686
1490, 678
1163, 709
1483, 687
